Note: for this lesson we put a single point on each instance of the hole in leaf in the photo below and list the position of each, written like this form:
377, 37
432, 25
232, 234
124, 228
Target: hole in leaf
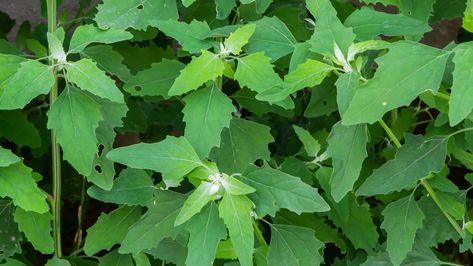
140, 7
98, 168
137, 88
324, 102
100, 150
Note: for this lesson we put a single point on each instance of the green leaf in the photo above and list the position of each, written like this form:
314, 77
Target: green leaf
461, 96
57, 262
7, 158
236, 213
224, 8
234, 186
311, 145
156, 224
187, 3
154, 81
75, 116
104, 170
294, 245
400, 78
190, 36
237, 39
330, 37
417, 158
110, 229
383, 2
206, 230
137, 14
306, 75
37, 229
204, 193
17, 183
87, 34
368, 23
209, 66
9, 64
272, 37
241, 144
420, 10
275, 190
173, 157
132, 187
10, 237
15, 127
87, 76
108, 60
402, 219
347, 147
116, 259
30, 80
252, 68
55, 44
468, 16
206, 113
347, 85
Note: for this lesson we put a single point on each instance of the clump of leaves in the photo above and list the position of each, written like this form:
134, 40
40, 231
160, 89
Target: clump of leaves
238, 133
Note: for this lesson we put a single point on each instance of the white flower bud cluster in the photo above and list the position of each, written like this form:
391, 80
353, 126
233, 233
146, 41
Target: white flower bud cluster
216, 180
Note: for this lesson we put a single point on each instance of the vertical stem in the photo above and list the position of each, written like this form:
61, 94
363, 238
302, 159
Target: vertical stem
56, 156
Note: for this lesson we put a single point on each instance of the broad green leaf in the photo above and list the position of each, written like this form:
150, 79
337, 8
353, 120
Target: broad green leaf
347, 85
252, 68
7, 158
190, 36
110, 229
468, 16
30, 80
132, 187
171, 251
55, 261
236, 213
137, 14
87, 76
55, 45
115, 258
417, 158
247, 99
311, 145
206, 113
237, 39
173, 157
306, 75
141, 259
204, 193
187, 3
422, 255
37, 229
402, 219
155, 81
15, 127
272, 37
206, 230
420, 10
294, 245
17, 183
108, 60
13, 262
241, 144
347, 147
224, 8
209, 66
156, 224
368, 23
225, 250
323, 99
10, 236
87, 34
261, 5
330, 37
275, 190
234, 186
9, 64
400, 78
75, 116
104, 170
461, 97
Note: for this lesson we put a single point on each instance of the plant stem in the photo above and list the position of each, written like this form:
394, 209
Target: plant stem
56, 156
427, 186
259, 235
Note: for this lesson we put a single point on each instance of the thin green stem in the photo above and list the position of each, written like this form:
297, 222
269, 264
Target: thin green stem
390, 134
394, 117
259, 235
56, 156
427, 186
443, 96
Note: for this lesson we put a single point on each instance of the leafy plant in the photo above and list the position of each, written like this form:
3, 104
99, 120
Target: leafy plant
237, 133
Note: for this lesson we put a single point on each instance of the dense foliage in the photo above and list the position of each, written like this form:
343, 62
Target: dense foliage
266, 132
